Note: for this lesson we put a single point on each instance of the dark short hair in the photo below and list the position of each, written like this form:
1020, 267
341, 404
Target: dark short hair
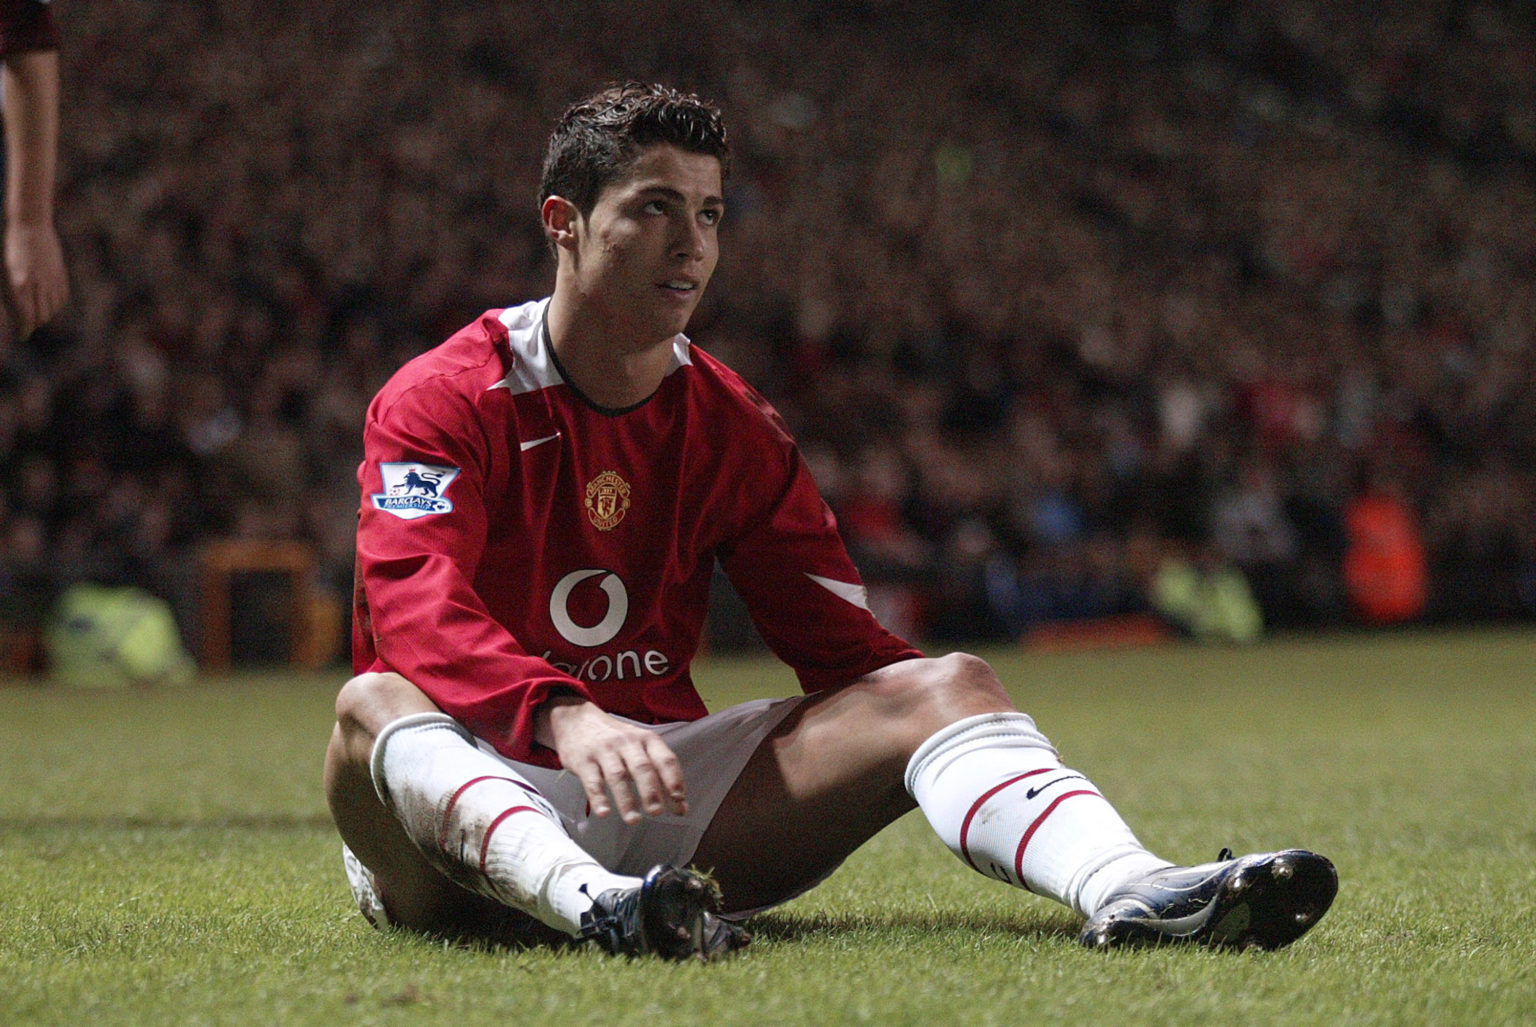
598, 139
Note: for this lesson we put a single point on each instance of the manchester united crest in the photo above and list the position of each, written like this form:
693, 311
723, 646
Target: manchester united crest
607, 500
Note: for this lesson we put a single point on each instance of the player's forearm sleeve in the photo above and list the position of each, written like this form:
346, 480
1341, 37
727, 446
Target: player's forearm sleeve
421, 531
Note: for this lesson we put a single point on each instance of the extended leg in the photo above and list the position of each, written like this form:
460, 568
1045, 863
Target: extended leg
837, 772
944, 735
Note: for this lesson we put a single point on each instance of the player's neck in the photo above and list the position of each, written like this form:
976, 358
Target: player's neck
610, 371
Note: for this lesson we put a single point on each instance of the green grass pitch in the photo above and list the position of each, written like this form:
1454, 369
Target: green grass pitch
166, 858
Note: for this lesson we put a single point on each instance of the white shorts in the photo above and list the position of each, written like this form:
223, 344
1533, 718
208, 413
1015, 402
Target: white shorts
712, 751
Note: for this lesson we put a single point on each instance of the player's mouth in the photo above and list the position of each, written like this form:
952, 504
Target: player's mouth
680, 286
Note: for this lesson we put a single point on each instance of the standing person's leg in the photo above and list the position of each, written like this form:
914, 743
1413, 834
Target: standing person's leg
944, 735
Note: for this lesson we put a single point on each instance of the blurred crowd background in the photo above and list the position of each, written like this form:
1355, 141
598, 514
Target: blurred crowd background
1079, 312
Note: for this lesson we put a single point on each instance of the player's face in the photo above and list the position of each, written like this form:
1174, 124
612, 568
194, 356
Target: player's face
645, 253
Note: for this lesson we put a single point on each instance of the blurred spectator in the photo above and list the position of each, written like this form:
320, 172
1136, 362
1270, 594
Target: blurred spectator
1384, 566
1252, 530
1206, 597
872, 516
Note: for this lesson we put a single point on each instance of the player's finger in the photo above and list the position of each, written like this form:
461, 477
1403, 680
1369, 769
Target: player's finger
669, 774
590, 774
620, 782
646, 778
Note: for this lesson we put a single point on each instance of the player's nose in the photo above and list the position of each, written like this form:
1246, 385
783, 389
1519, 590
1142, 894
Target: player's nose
689, 240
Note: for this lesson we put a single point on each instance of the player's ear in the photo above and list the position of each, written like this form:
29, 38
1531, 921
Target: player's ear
560, 218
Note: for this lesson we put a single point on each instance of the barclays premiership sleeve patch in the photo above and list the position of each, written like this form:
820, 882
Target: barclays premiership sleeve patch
414, 490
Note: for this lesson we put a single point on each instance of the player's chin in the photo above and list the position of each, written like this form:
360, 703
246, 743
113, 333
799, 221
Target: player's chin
678, 308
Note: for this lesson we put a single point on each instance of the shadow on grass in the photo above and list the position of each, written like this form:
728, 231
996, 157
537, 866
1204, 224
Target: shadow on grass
798, 927
519, 933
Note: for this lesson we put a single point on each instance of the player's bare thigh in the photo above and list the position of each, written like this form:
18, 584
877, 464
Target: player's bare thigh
414, 892
830, 777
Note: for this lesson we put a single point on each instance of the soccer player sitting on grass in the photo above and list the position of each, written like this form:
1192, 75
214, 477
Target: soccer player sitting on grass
523, 753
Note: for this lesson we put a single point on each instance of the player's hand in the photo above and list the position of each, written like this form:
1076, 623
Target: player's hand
612, 758
36, 281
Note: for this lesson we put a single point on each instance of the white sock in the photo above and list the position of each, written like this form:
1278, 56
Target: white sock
995, 791
482, 825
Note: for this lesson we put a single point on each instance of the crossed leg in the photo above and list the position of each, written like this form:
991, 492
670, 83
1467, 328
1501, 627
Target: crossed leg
416, 893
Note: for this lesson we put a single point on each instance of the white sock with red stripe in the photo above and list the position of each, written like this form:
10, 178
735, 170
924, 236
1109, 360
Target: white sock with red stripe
994, 789
482, 825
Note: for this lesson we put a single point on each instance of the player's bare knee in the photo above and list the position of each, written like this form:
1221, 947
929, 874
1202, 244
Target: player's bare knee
968, 671
958, 685
354, 697
368, 702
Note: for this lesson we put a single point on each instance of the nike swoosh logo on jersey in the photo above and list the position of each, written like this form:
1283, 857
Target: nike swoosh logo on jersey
526, 446
1031, 793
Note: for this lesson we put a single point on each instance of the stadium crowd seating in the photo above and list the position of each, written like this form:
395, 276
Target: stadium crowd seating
1051, 297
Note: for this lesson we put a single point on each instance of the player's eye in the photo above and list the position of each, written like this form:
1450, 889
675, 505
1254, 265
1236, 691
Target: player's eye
654, 207
711, 215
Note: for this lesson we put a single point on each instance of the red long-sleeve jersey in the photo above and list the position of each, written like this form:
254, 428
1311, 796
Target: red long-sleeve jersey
514, 539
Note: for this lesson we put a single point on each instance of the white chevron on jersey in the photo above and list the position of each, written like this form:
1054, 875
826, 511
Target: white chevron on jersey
858, 595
